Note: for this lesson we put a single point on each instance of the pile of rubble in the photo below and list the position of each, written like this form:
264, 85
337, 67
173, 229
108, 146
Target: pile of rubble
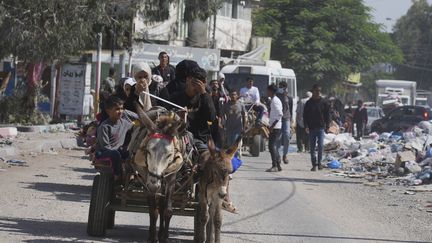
406, 156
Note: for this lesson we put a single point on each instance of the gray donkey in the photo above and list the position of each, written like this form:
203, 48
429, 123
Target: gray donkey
216, 167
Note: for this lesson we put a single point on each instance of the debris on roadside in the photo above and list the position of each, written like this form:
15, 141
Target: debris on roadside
16, 162
5, 142
404, 158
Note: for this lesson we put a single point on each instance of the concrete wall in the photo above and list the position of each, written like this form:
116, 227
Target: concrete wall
233, 34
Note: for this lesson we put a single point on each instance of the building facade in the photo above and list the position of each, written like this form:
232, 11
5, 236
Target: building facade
230, 30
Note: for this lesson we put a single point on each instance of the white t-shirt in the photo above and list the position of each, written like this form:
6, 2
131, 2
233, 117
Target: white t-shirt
250, 95
276, 112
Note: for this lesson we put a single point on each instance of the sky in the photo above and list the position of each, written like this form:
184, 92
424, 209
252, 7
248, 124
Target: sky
387, 12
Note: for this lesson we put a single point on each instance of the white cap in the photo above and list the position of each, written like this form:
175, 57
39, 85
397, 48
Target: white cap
221, 76
157, 78
309, 94
130, 81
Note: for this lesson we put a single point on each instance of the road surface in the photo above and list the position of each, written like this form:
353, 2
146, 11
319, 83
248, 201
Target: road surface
48, 202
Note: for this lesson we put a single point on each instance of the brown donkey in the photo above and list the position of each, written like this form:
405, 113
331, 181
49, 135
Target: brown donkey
213, 182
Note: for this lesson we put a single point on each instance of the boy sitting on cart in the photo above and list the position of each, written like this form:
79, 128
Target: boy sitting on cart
111, 134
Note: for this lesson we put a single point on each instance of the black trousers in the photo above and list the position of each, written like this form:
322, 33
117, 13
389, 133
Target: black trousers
274, 141
302, 138
360, 130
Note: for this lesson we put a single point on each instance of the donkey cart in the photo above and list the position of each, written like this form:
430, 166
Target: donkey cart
159, 179
106, 199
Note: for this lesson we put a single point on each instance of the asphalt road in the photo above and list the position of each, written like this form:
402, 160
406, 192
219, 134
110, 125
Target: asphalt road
48, 202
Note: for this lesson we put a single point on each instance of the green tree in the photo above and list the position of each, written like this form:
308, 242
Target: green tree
43, 31
324, 41
413, 34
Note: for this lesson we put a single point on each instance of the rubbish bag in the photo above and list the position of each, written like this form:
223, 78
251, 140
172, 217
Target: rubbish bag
428, 153
236, 163
334, 164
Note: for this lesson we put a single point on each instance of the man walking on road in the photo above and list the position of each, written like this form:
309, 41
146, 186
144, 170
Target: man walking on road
360, 119
287, 104
276, 113
317, 120
234, 114
302, 138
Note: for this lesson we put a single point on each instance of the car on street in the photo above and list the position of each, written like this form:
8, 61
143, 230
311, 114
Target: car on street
401, 119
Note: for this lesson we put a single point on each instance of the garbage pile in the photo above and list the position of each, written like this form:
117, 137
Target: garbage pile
407, 155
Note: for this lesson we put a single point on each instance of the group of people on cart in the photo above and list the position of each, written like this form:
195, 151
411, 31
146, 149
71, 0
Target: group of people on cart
207, 108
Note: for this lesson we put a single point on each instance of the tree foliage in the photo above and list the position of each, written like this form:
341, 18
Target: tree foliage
44, 30
324, 41
413, 34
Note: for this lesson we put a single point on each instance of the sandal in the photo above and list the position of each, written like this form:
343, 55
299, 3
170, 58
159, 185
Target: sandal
229, 207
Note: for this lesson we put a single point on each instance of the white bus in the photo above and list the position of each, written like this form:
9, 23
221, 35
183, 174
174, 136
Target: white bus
270, 72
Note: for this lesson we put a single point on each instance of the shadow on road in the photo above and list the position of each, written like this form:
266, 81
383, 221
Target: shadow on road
88, 177
64, 192
83, 170
318, 237
49, 230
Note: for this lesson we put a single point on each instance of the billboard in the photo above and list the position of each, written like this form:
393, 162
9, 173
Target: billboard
74, 84
206, 58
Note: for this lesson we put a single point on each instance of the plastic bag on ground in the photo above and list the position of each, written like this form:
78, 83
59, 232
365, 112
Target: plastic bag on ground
413, 167
426, 126
384, 136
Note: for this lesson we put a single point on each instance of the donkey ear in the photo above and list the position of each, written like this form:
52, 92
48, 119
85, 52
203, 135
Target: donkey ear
211, 145
229, 153
144, 118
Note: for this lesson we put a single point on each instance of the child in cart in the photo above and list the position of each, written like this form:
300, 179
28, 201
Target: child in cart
111, 134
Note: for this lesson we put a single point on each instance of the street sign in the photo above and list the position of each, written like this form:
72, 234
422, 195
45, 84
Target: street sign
74, 84
206, 58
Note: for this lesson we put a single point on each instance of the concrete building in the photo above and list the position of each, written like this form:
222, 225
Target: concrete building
230, 30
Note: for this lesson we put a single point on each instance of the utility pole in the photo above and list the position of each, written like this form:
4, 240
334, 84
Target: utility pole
114, 36
98, 69
214, 25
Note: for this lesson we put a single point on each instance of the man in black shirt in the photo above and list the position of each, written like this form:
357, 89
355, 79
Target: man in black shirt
316, 120
164, 69
360, 119
287, 105
199, 103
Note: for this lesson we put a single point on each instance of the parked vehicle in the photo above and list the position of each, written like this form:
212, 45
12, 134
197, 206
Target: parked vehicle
374, 113
403, 92
422, 97
401, 119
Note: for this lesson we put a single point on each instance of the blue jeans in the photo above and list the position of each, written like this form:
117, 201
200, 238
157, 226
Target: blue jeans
286, 134
273, 145
116, 157
316, 135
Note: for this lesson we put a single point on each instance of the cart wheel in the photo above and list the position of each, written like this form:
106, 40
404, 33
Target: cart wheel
255, 146
263, 145
196, 214
100, 197
110, 219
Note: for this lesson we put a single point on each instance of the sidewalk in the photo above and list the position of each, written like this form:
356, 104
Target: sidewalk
38, 139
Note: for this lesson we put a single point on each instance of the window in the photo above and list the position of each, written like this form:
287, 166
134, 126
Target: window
396, 113
235, 8
226, 9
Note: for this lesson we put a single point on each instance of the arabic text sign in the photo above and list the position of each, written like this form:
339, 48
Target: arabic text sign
73, 81
206, 58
